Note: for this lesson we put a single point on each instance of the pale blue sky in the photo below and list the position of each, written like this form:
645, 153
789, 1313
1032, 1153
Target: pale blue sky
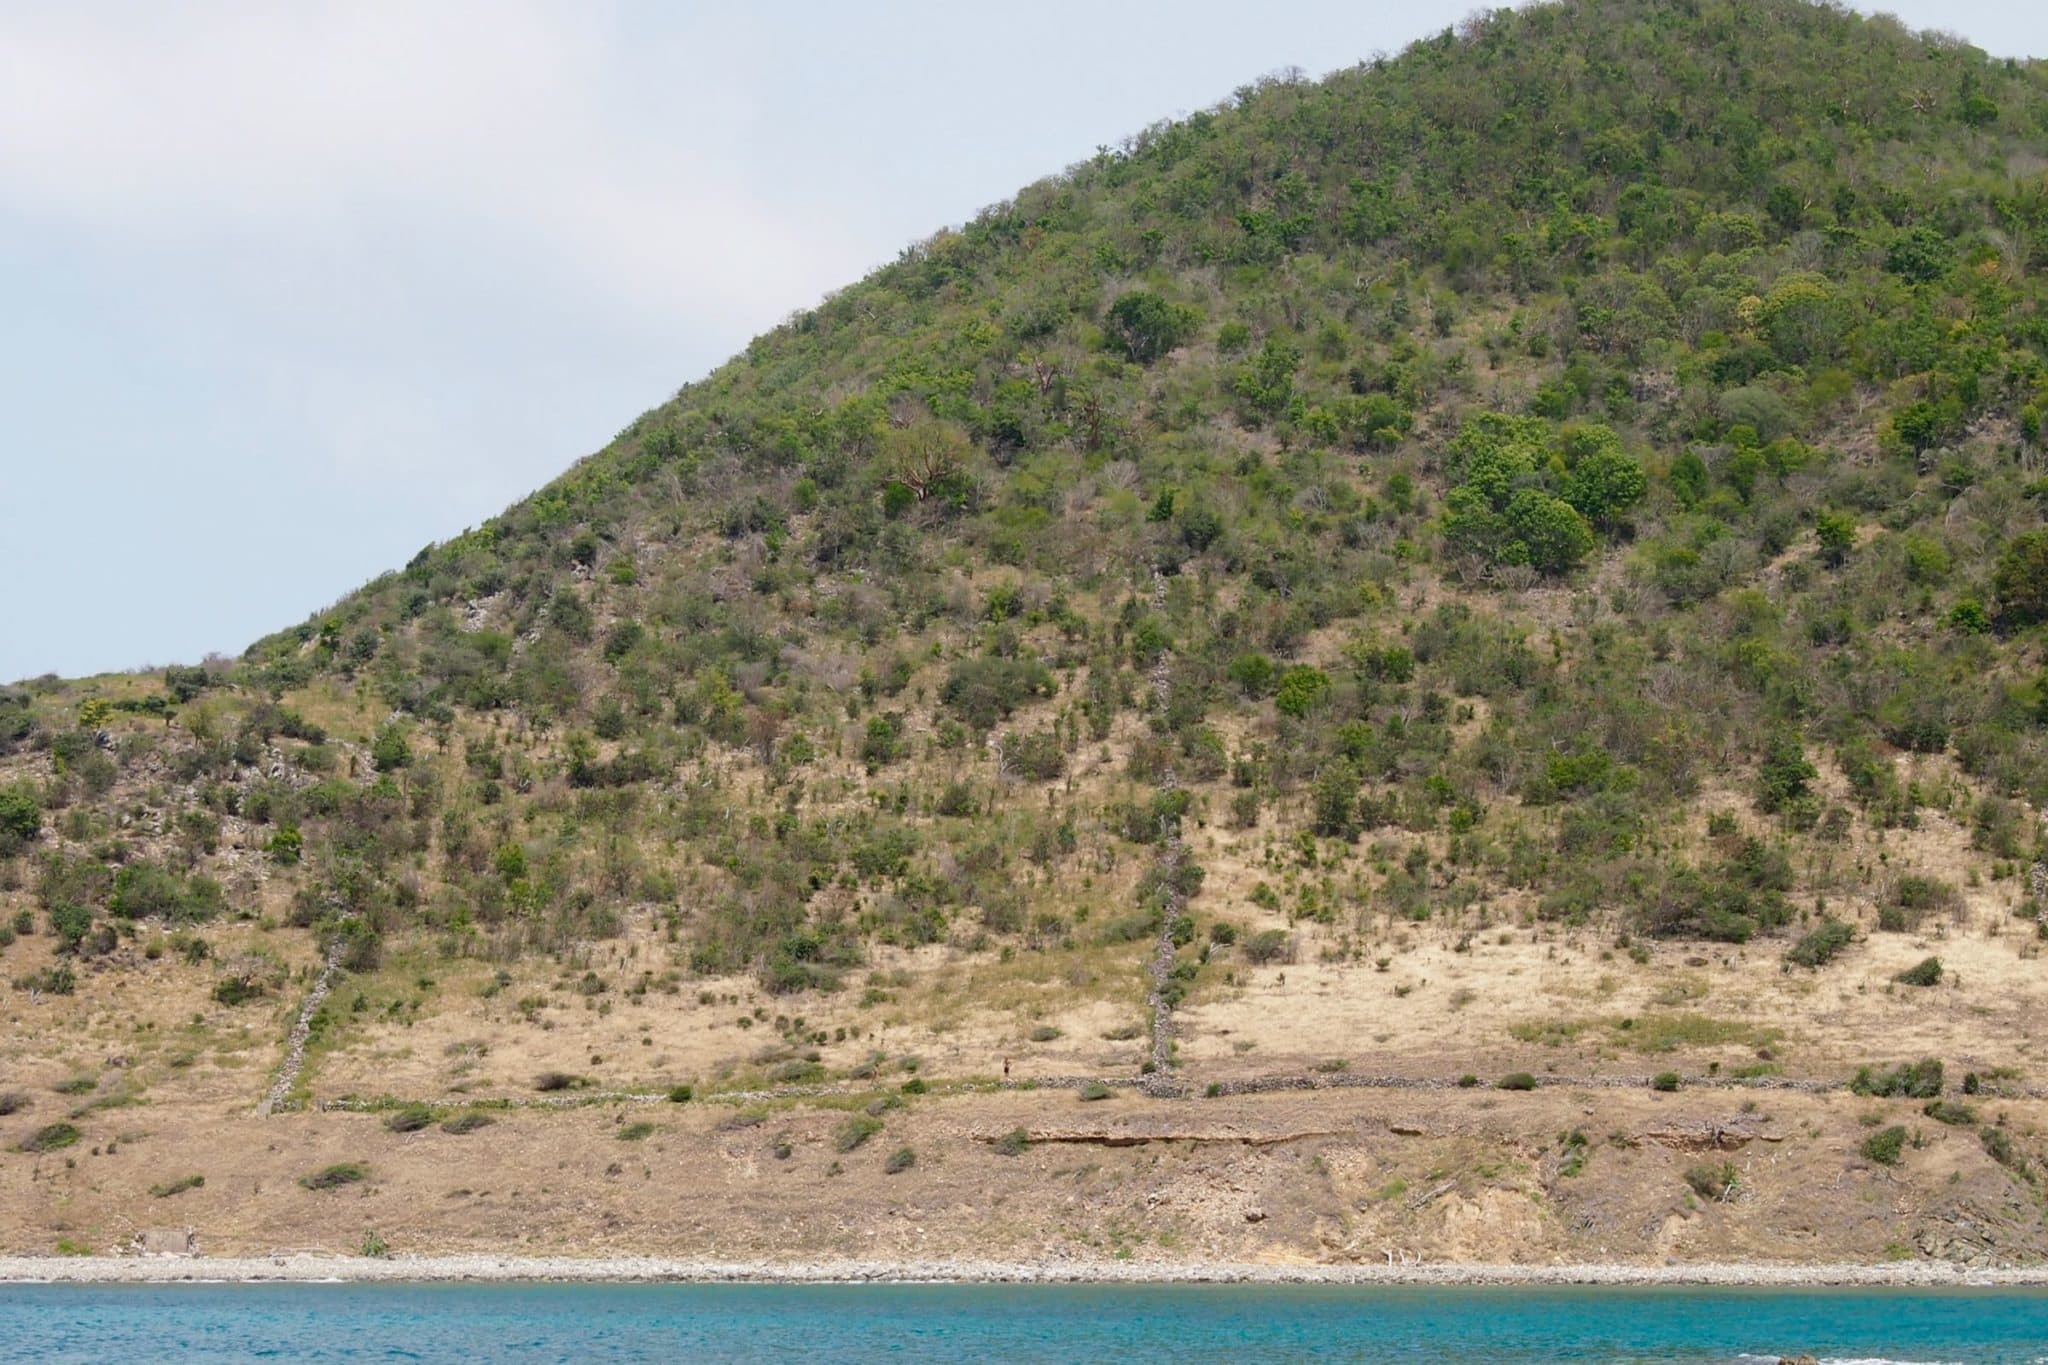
294, 289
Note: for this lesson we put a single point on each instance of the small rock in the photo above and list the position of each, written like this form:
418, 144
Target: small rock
1255, 1214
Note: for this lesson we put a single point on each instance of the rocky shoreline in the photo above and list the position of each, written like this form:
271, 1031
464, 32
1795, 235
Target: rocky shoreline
308, 1269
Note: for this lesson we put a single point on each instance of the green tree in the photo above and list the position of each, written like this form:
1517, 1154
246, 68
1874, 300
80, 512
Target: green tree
1547, 533
1253, 674
1602, 481
1336, 800
390, 749
2021, 580
1302, 689
1266, 386
21, 817
1147, 326
1836, 532
1920, 254
1785, 773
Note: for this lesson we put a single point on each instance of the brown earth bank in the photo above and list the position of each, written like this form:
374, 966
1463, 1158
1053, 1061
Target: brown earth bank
1559, 1176
1324, 1117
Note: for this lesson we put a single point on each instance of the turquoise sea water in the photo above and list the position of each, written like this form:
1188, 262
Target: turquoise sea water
957, 1323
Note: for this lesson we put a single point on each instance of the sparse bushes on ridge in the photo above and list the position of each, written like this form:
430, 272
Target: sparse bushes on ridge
1917, 1081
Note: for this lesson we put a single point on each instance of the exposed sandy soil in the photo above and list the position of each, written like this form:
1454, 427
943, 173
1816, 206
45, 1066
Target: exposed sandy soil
164, 1081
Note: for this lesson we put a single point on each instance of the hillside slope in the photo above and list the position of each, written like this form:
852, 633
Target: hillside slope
1522, 557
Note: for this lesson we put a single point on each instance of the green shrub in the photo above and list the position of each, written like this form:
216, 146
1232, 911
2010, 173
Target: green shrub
900, 1160
1096, 1090
1516, 1080
1714, 1181
1998, 1146
176, 1187
1302, 689
50, 1138
336, 1176
681, 1094
1919, 1081
1885, 1145
58, 979
409, 1119
857, 1129
982, 691
1819, 947
1145, 326
1926, 972
1665, 1080
1269, 945
238, 989
21, 817
2021, 580
1013, 1143
637, 1132
1949, 1112
551, 1082
462, 1124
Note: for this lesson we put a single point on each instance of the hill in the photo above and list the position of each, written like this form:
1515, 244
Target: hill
1519, 561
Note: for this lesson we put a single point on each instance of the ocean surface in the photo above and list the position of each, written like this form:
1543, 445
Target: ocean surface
958, 1323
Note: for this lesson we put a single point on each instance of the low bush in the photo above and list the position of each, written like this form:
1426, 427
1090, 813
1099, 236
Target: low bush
59, 979
636, 1132
1926, 972
1269, 945
1516, 1080
1886, 1145
1096, 1090
1919, 1081
336, 1176
409, 1119
900, 1160
550, 1082
1013, 1143
681, 1094
467, 1123
238, 989
1666, 1081
1819, 948
175, 1187
49, 1138
1951, 1113
1998, 1146
1713, 1181
857, 1129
